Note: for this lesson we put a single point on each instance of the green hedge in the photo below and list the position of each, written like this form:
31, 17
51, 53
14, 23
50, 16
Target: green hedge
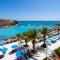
57, 51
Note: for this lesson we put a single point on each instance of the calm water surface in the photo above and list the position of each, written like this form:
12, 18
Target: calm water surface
25, 26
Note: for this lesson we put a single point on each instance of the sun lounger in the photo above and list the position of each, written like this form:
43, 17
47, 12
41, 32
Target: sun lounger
53, 41
13, 51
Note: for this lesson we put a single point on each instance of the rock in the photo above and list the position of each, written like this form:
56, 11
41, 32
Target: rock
4, 22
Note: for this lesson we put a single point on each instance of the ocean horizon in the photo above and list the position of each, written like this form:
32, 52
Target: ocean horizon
39, 22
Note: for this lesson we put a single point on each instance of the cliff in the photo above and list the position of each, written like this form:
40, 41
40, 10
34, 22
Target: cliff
7, 22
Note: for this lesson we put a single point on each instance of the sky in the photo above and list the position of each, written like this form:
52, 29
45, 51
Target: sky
30, 9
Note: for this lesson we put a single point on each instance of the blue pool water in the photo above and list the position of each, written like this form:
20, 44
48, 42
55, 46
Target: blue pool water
25, 26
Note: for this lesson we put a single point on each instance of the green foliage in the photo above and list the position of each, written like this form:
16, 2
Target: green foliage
18, 35
44, 31
57, 51
57, 27
32, 33
32, 36
45, 58
26, 34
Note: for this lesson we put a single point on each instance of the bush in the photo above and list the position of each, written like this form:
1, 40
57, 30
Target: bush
57, 51
45, 58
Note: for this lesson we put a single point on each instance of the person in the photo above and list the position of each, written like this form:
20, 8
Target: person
29, 53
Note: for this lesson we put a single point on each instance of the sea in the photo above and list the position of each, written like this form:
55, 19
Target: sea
39, 22
24, 26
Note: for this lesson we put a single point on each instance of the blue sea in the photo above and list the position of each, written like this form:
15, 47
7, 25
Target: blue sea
39, 22
25, 26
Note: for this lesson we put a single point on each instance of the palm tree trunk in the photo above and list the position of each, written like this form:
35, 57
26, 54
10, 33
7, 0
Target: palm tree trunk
44, 39
26, 41
33, 42
34, 47
58, 30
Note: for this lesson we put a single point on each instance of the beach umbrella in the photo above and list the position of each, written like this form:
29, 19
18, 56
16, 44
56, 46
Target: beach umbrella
15, 46
4, 49
1, 53
19, 54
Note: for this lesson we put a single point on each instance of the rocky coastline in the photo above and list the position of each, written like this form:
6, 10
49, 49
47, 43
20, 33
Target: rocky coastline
6, 23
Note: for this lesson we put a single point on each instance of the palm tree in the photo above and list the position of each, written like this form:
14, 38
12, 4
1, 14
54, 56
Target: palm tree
26, 40
25, 34
44, 31
18, 36
22, 36
58, 30
58, 27
32, 35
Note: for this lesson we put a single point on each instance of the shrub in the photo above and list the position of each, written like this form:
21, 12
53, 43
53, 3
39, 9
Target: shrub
45, 58
57, 51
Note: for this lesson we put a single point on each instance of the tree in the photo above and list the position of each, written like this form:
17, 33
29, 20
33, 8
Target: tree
44, 31
58, 27
32, 35
26, 40
25, 34
18, 36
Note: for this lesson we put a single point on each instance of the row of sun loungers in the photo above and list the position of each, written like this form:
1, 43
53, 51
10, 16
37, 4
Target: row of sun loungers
9, 41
